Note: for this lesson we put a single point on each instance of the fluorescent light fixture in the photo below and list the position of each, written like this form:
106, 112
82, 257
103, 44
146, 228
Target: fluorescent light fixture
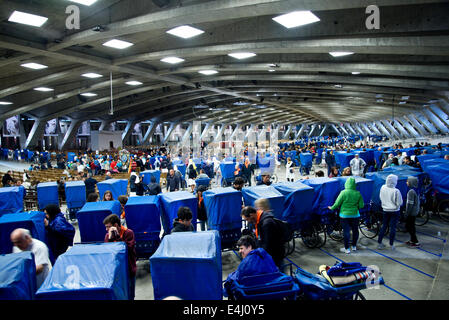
43, 89
118, 44
296, 19
85, 2
34, 66
134, 83
27, 18
355, 72
240, 103
5, 103
91, 75
242, 55
201, 106
208, 72
185, 32
340, 53
89, 94
380, 100
253, 113
271, 70
338, 86
172, 60
405, 97
402, 102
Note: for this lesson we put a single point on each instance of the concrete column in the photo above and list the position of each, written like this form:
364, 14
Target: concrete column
336, 129
128, 129
350, 128
342, 127
206, 128
187, 133
170, 130
441, 114
71, 132
149, 133
382, 128
220, 132
324, 129
35, 134
287, 132
237, 127
420, 117
416, 125
300, 131
407, 125
251, 128
401, 129
437, 122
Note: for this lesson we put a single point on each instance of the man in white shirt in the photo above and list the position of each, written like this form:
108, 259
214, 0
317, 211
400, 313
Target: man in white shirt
357, 165
22, 241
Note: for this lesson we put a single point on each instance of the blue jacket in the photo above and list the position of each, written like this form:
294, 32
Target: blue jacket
256, 262
60, 235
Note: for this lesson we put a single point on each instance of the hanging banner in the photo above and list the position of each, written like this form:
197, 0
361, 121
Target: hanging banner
11, 127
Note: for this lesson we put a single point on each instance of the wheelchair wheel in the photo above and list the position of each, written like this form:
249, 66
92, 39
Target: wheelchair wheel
337, 234
423, 216
313, 236
274, 178
443, 210
290, 247
369, 226
359, 296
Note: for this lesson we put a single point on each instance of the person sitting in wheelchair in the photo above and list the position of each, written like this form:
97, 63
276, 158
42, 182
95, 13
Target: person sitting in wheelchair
266, 179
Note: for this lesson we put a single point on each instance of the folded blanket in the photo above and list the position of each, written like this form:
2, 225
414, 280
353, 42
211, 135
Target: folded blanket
344, 280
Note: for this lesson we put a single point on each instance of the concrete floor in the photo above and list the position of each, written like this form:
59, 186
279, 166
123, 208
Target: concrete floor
416, 274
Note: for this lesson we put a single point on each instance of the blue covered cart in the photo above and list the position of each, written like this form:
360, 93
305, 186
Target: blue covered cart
171, 202
17, 276
75, 194
89, 272
47, 193
11, 199
196, 254
147, 176
276, 199
118, 187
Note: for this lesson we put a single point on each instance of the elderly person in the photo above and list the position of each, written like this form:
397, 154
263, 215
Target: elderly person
22, 241
357, 165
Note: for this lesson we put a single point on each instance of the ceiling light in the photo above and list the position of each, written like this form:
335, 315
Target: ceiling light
89, 94
91, 75
405, 97
242, 55
271, 70
134, 83
380, 100
85, 2
340, 53
208, 72
43, 89
26, 18
296, 19
5, 103
338, 86
34, 66
118, 44
402, 102
172, 60
185, 32
240, 103
253, 113
355, 72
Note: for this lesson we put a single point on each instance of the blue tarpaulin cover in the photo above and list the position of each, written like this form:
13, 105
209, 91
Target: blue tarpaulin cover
298, 202
196, 254
223, 207
266, 164
47, 193
17, 276
11, 199
306, 159
70, 156
227, 169
343, 159
147, 176
143, 215
439, 174
33, 221
379, 179
88, 272
75, 194
428, 162
181, 168
367, 156
90, 219
276, 199
118, 187
364, 186
171, 202
326, 190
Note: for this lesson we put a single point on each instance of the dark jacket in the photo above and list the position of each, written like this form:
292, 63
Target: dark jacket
179, 227
330, 160
192, 172
132, 183
202, 214
6, 179
60, 235
269, 237
90, 185
154, 189
247, 172
173, 183
128, 238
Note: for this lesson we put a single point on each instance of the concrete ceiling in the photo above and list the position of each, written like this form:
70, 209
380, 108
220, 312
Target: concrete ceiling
407, 56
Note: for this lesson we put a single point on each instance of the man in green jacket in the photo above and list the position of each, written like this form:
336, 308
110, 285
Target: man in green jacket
349, 201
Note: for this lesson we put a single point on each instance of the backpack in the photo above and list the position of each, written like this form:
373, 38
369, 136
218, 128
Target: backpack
285, 230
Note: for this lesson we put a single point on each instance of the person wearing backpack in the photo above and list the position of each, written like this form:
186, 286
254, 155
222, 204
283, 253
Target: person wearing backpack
349, 201
267, 231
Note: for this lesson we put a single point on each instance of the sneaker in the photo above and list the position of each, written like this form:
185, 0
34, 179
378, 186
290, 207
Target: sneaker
414, 245
343, 250
409, 243
354, 248
380, 246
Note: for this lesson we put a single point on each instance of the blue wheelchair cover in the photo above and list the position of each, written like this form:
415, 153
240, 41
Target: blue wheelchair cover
266, 164
75, 194
47, 193
306, 159
17, 276
147, 176
11, 199
367, 156
90, 219
428, 162
343, 159
88, 272
343, 269
32, 221
424, 157
223, 207
298, 202
143, 216
379, 179
227, 169
70, 156
181, 168
118, 187
171, 202
196, 254
439, 174
326, 191
276, 199
364, 186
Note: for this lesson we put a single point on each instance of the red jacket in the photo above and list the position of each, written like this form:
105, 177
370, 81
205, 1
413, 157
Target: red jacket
127, 235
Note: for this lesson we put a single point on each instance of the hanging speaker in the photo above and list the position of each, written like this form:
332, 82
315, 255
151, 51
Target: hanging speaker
161, 3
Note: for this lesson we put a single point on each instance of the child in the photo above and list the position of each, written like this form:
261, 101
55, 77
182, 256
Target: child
411, 211
184, 220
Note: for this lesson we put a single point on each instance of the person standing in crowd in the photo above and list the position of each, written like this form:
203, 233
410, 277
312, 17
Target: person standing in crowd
22, 241
391, 200
59, 232
389, 161
140, 187
289, 171
411, 211
192, 174
7, 179
349, 202
90, 184
238, 183
247, 171
202, 214
116, 232
330, 161
357, 165
154, 188
133, 179
172, 181
184, 221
